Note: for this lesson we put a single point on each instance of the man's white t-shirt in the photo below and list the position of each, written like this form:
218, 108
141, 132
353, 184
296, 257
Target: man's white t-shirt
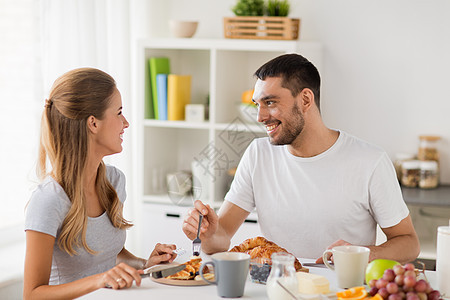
306, 204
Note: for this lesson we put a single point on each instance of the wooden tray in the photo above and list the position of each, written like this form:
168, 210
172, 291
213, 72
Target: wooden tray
266, 28
179, 282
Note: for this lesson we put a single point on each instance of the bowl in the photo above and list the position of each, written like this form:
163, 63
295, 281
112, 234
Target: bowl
183, 29
260, 269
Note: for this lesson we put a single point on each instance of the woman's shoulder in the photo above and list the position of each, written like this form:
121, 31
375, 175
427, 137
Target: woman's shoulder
117, 179
48, 201
114, 174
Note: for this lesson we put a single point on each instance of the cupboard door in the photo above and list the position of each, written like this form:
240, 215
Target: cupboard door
162, 224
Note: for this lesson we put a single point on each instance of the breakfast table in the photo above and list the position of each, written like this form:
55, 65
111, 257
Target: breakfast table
153, 290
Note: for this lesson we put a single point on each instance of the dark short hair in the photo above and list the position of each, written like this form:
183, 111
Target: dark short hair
296, 73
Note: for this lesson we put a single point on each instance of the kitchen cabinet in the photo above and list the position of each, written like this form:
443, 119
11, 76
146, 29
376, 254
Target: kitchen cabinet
221, 70
429, 209
163, 224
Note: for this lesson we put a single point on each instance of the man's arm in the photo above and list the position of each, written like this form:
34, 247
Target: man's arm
402, 243
217, 229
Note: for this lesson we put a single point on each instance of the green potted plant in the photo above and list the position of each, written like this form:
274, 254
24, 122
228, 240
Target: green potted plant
249, 8
278, 8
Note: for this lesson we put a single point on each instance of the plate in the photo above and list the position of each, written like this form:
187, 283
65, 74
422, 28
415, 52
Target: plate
178, 282
330, 295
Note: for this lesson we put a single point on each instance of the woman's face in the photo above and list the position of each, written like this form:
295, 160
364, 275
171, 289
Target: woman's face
108, 139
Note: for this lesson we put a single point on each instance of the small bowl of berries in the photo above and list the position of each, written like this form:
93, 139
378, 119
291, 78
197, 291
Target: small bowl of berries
260, 269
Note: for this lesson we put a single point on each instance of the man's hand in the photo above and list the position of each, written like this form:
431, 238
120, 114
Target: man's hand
209, 223
337, 243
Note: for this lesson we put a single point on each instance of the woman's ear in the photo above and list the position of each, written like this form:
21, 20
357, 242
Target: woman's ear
92, 124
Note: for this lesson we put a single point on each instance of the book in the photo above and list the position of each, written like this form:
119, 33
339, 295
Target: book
161, 89
178, 95
148, 106
158, 65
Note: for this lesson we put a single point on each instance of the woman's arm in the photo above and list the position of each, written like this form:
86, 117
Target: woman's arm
38, 262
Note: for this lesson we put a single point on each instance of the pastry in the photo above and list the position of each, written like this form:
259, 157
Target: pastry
260, 247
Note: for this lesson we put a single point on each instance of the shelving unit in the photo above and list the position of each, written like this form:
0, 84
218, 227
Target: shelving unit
221, 69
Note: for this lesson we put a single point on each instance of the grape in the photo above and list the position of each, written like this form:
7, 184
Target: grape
383, 293
392, 288
399, 279
409, 267
372, 282
434, 295
422, 296
389, 275
402, 294
421, 286
410, 273
412, 296
395, 297
373, 291
409, 281
398, 270
381, 283
407, 289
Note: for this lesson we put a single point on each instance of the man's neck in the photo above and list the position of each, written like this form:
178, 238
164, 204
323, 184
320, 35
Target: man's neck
312, 142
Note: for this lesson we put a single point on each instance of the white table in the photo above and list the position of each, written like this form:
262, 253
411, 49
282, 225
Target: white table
152, 290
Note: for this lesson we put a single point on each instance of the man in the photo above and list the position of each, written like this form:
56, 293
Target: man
313, 187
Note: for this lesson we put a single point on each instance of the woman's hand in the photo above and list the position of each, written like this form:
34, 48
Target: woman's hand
119, 277
161, 253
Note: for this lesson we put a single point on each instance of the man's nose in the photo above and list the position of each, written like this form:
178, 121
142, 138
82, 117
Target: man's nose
262, 114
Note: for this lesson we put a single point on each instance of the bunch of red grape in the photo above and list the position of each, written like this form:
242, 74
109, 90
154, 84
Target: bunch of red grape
401, 282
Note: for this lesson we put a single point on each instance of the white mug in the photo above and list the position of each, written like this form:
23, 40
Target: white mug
350, 264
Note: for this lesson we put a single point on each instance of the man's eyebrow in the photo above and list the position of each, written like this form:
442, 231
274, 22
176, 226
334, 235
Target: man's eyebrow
268, 97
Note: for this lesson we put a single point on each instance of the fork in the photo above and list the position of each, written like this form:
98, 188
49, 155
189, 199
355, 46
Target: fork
197, 243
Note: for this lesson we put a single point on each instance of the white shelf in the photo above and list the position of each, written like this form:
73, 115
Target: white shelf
176, 124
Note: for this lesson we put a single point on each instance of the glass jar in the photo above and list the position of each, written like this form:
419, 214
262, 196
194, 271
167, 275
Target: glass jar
399, 159
428, 147
283, 271
429, 178
410, 173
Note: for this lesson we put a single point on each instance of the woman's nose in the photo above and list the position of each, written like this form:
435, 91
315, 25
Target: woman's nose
125, 123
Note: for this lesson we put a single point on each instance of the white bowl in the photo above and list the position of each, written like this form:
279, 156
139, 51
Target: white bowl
183, 29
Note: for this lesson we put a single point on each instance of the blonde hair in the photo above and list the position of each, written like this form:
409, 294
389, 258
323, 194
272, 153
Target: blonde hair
74, 97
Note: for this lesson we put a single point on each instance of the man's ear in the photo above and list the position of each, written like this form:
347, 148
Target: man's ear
92, 124
306, 99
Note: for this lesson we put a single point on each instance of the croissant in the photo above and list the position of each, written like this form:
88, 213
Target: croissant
260, 247
251, 243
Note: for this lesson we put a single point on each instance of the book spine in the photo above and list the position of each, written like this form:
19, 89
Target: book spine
161, 88
178, 95
158, 65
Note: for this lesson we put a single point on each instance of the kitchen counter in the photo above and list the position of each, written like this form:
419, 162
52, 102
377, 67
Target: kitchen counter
439, 196
152, 290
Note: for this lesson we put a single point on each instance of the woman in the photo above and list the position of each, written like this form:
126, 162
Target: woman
75, 230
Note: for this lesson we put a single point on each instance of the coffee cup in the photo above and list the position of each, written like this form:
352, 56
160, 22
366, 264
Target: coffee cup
350, 264
230, 273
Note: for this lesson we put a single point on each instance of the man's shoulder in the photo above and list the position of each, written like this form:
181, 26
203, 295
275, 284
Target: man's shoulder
360, 145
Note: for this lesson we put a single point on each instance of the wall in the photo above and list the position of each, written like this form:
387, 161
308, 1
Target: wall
385, 63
